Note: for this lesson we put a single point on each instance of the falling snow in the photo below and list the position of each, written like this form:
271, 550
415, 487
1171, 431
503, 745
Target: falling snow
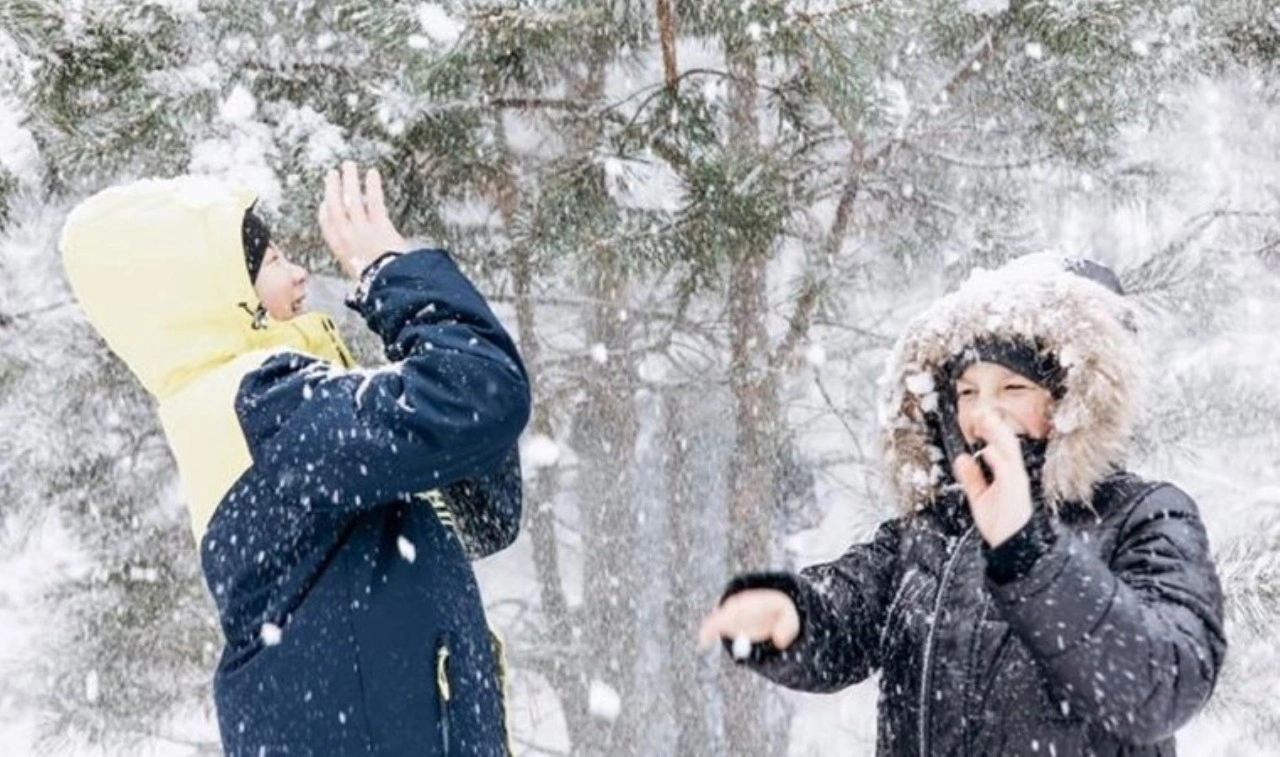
622, 469
407, 550
271, 634
603, 701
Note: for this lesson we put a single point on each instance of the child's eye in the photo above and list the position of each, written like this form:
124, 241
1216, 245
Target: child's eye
967, 392
1012, 387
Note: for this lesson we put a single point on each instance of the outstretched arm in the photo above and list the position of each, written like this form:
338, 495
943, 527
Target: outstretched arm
818, 630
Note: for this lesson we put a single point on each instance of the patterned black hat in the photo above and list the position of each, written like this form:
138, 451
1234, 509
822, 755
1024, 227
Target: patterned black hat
256, 238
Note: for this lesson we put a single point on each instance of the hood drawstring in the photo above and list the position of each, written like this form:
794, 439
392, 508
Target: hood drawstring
259, 316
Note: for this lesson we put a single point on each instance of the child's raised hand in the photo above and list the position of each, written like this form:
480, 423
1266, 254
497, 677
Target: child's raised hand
1003, 506
755, 615
354, 224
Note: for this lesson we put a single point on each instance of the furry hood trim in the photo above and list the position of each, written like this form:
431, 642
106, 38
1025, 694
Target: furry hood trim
1090, 330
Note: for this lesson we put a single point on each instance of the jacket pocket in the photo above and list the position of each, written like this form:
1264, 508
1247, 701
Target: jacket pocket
444, 692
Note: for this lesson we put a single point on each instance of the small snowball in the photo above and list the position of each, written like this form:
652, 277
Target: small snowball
1066, 420
540, 451
407, 550
920, 384
741, 647
815, 355
603, 701
239, 105
599, 353
438, 25
270, 634
987, 7
92, 687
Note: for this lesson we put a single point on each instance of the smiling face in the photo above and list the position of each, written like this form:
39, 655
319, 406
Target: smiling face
1021, 402
281, 285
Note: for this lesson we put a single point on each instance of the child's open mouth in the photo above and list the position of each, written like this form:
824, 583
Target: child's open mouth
299, 304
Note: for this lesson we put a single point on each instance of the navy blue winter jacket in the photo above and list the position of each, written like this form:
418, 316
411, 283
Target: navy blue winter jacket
353, 622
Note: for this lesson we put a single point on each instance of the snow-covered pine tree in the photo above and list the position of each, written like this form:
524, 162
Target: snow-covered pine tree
678, 200
104, 91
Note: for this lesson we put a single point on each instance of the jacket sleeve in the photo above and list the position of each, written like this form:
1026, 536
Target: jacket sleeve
449, 407
842, 606
1136, 645
486, 509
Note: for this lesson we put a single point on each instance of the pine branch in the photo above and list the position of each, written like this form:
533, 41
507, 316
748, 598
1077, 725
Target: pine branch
806, 17
978, 56
1250, 575
9, 319
854, 439
799, 323
539, 103
955, 160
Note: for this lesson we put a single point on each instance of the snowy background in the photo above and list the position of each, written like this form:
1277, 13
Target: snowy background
705, 246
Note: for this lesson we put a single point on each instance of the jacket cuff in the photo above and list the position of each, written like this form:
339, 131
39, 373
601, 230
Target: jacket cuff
763, 653
356, 299
1066, 590
1016, 556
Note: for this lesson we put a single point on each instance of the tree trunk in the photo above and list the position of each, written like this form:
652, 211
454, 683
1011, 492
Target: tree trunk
539, 515
606, 436
605, 439
757, 420
690, 594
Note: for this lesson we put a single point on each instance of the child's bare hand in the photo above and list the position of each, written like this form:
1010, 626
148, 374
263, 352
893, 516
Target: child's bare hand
354, 224
755, 615
1003, 506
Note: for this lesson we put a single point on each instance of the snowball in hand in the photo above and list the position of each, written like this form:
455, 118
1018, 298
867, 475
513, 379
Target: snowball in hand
741, 647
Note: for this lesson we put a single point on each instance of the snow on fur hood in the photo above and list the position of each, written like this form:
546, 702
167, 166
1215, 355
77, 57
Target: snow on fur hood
1089, 328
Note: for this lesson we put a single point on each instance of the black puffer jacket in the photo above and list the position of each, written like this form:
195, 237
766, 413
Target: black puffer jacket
1104, 644
1097, 628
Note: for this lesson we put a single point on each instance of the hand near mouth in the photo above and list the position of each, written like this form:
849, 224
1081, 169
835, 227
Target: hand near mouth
1002, 506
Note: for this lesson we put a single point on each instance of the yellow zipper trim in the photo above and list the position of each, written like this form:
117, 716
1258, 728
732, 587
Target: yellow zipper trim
442, 673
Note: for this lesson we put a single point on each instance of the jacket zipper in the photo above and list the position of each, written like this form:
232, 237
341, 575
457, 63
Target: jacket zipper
926, 669
446, 693
970, 673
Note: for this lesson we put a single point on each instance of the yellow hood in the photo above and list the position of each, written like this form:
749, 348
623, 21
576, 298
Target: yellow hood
158, 267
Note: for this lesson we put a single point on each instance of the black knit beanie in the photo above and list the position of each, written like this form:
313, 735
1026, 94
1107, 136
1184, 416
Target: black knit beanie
1026, 357
1020, 356
256, 238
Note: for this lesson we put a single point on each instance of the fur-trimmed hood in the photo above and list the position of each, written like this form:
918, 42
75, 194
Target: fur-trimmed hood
1090, 330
